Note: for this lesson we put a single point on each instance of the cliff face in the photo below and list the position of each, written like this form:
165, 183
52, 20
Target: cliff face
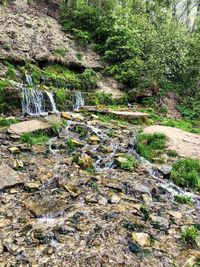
29, 32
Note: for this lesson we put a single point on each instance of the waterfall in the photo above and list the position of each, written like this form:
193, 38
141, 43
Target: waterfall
36, 102
52, 102
33, 102
29, 79
78, 101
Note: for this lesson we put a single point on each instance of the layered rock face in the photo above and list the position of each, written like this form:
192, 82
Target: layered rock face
28, 32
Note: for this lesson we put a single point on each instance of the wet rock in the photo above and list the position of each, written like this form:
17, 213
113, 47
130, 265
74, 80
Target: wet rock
175, 214
148, 200
165, 170
9, 177
76, 142
47, 206
66, 115
141, 239
1, 248
115, 199
84, 161
31, 126
32, 185
94, 139
14, 150
103, 201
74, 191
133, 247
141, 189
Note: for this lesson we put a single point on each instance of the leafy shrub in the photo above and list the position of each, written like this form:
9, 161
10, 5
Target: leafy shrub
186, 173
150, 145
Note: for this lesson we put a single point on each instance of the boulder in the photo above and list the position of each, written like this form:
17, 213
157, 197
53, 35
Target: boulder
31, 126
141, 239
9, 177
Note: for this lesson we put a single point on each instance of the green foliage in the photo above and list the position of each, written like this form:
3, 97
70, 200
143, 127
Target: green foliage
57, 125
171, 153
60, 52
150, 146
34, 138
11, 74
70, 144
183, 199
82, 131
190, 235
186, 173
4, 83
4, 122
128, 164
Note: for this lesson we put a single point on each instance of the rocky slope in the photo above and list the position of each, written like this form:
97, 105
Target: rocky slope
28, 32
89, 213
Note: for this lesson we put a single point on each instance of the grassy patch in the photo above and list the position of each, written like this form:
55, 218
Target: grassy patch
190, 235
150, 146
127, 163
183, 199
186, 173
7, 122
34, 138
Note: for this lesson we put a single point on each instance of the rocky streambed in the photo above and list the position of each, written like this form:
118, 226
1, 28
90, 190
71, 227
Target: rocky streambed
67, 203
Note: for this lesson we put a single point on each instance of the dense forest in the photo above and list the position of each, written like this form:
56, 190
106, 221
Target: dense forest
147, 44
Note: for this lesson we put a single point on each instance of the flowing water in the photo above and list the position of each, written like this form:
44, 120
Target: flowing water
36, 102
78, 101
52, 102
33, 102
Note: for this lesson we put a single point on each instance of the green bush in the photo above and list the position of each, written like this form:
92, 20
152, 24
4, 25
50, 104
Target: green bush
186, 173
150, 145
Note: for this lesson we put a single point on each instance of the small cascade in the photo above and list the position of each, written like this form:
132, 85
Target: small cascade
52, 102
78, 101
33, 102
29, 79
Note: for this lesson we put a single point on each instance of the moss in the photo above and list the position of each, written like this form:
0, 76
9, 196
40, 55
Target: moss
60, 52
150, 146
186, 173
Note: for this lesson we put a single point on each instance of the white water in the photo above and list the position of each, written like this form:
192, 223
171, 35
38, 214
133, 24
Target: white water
29, 79
52, 102
33, 102
78, 101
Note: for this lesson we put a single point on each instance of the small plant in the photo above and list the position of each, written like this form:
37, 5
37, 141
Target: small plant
58, 125
70, 144
60, 52
127, 163
190, 235
150, 145
7, 122
172, 153
82, 131
183, 199
79, 56
34, 139
186, 173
